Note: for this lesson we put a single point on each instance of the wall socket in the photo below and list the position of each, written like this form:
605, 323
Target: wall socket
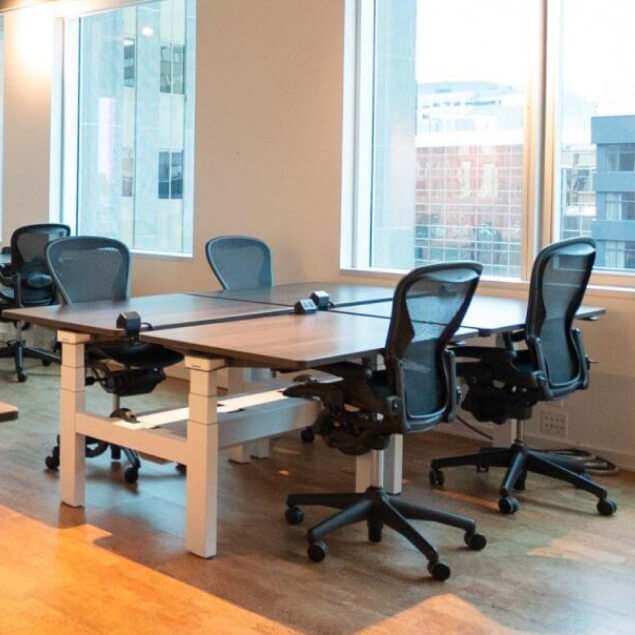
554, 422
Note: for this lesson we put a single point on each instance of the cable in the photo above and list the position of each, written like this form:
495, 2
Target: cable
593, 464
473, 428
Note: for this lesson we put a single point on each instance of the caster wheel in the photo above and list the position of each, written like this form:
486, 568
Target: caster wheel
508, 505
52, 462
317, 551
439, 571
131, 475
46, 362
476, 542
307, 435
294, 515
606, 507
374, 531
21, 377
437, 478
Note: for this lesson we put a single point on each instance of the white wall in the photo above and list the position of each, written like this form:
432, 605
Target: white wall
268, 154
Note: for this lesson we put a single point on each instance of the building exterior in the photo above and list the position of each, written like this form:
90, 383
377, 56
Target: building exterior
135, 125
614, 224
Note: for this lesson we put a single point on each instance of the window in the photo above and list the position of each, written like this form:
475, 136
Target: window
128, 62
595, 116
469, 115
127, 173
448, 129
172, 68
171, 175
129, 106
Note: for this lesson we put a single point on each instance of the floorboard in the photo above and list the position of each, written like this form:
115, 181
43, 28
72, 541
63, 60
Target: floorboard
118, 565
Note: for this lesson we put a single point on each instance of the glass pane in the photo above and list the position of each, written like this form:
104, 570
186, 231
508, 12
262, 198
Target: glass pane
448, 132
130, 129
176, 176
178, 69
595, 178
128, 62
166, 68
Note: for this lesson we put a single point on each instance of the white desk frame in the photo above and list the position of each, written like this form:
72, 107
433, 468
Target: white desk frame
207, 433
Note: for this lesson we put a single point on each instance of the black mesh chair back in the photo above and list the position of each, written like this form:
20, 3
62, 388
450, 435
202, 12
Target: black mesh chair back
559, 279
89, 268
240, 262
28, 244
428, 307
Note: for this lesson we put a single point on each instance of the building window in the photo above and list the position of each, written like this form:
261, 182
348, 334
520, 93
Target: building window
129, 62
126, 120
127, 173
445, 137
170, 175
172, 68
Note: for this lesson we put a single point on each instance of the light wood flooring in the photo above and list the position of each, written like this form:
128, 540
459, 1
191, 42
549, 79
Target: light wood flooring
118, 566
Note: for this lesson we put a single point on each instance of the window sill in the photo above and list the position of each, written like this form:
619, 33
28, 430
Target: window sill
170, 255
494, 284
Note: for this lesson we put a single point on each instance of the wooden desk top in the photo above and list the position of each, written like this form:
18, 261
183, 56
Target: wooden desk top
161, 311
487, 314
284, 341
288, 294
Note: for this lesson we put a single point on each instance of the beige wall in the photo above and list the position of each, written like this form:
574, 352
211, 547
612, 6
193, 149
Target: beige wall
268, 154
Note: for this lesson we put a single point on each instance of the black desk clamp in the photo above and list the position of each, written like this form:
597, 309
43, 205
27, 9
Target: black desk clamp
130, 321
321, 299
305, 306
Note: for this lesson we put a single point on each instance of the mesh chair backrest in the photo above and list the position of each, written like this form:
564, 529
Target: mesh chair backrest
559, 279
89, 268
240, 262
428, 307
28, 244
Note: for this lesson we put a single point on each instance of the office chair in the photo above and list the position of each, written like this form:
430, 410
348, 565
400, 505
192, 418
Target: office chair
240, 262
416, 391
28, 284
93, 269
505, 383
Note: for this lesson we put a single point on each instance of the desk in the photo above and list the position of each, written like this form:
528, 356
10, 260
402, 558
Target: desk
160, 311
489, 315
288, 294
272, 337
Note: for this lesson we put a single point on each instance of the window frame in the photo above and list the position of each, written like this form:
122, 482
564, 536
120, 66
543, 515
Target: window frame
541, 145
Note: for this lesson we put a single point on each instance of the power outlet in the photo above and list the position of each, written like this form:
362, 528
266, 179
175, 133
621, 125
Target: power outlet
554, 422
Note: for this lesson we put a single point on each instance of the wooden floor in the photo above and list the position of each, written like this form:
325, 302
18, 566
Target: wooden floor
118, 566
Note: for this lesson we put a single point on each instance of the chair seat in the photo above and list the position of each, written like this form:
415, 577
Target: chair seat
136, 355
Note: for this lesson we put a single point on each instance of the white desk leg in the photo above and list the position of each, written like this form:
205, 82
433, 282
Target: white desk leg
235, 383
392, 470
257, 449
72, 401
202, 458
393, 464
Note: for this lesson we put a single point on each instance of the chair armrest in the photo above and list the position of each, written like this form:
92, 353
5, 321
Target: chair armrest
496, 364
